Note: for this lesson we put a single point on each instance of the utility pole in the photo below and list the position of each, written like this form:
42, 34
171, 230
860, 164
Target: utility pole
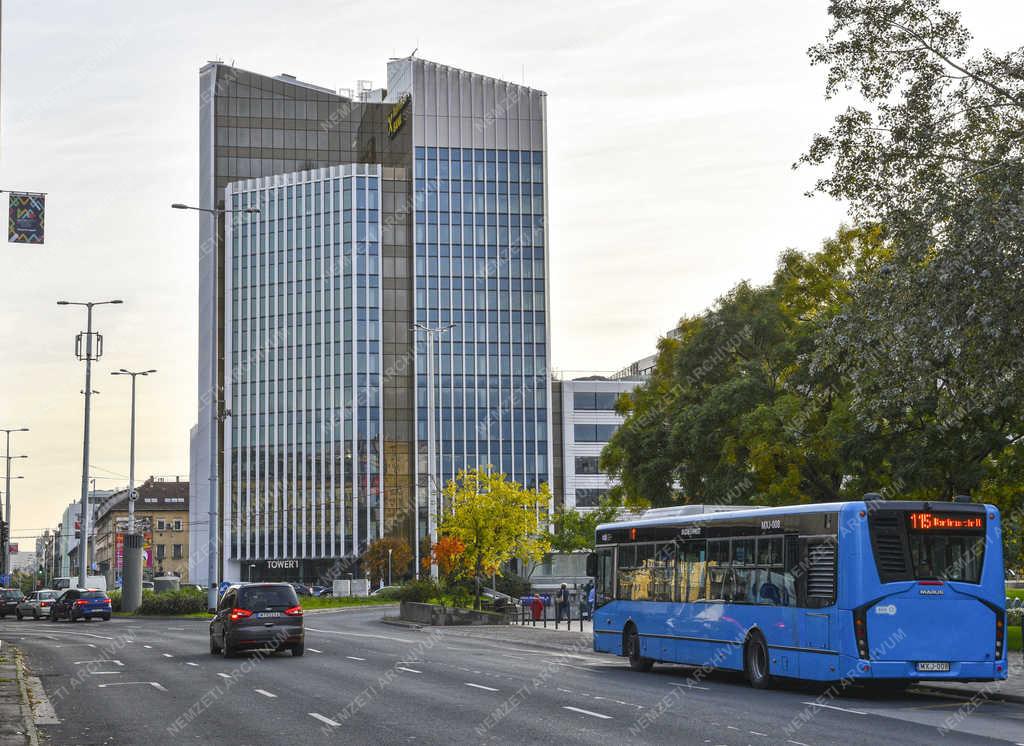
131, 564
432, 333
218, 412
5, 561
90, 353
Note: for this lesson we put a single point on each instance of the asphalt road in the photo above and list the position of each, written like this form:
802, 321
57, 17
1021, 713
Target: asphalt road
361, 681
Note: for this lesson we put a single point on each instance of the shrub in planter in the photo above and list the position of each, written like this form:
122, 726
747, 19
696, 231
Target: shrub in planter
188, 601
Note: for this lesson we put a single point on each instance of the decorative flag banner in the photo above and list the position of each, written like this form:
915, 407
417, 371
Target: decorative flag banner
26, 218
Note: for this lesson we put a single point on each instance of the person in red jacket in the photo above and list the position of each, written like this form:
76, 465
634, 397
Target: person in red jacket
537, 607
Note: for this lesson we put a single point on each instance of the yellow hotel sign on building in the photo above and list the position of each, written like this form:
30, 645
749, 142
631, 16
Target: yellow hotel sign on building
396, 117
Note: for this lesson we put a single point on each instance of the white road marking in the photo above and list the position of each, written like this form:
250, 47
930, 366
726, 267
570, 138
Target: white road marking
755, 733
148, 647
153, 684
732, 727
410, 670
265, 693
587, 712
177, 629
689, 686
359, 634
314, 650
167, 655
353, 658
481, 686
224, 675
190, 663
101, 660
323, 719
833, 707
90, 644
796, 743
104, 673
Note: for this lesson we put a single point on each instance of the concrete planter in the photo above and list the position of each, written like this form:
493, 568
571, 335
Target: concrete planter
442, 616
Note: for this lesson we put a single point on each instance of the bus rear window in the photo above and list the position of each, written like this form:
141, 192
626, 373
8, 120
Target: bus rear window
941, 556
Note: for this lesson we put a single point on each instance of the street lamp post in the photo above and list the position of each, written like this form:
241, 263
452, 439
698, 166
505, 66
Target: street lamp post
91, 353
389, 565
251, 567
132, 558
217, 411
431, 333
5, 544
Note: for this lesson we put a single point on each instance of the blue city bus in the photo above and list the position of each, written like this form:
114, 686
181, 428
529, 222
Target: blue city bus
867, 591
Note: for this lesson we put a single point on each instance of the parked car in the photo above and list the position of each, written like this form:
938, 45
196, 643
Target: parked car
386, 590
9, 600
319, 590
36, 605
81, 603
498, 598
302, 590
258, 615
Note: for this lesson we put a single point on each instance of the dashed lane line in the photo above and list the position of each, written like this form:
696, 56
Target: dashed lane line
101, 660
224, 675
481, 686
167, 655
410, 670
587, 712
354, 658
104, 673
314, 650
834, 707
359, 634
190, 663
265, 693
325, 720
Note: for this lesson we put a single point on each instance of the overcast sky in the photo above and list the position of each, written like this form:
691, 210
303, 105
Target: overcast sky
672, 129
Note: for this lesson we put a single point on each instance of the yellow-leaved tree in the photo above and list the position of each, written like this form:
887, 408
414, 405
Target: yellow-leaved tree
495, 520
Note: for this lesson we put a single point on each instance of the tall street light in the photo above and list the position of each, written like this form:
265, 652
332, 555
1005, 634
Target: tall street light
5, 544
432, 333
90, 352
132, 557
218, 413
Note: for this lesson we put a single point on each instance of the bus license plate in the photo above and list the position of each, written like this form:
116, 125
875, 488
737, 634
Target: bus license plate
933, 666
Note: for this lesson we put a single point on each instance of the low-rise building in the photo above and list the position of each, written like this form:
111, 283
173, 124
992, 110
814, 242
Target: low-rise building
161, 515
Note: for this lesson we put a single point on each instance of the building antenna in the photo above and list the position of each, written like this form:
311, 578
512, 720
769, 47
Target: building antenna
413, 52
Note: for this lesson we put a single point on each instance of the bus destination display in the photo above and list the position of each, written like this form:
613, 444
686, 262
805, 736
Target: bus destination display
946, 522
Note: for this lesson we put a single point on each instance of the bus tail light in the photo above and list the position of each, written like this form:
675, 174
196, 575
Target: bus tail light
860, 631
1000, 634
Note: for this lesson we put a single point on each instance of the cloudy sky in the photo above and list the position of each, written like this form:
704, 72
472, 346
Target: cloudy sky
672, 129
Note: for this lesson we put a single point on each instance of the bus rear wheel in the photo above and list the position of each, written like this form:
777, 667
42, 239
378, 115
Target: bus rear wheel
631, 642
755, 662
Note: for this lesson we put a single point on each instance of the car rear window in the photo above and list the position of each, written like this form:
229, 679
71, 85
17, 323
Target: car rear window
94, 594
264, 597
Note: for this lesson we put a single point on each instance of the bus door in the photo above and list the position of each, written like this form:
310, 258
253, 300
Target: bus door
817, 589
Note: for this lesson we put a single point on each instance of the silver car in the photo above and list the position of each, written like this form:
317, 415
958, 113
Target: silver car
37, 605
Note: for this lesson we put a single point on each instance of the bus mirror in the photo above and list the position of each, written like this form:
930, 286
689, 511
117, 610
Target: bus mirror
592, 565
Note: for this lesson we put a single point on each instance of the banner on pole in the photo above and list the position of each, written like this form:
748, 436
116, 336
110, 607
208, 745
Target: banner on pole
25, 218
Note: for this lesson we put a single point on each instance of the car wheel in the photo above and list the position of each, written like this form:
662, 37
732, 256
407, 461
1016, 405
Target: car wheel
106, 617
18, 614
755, 662
214, 650
226, 650
298, 650
53, 615
35, 614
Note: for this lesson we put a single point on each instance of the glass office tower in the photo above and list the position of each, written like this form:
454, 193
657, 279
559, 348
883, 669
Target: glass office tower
460, 166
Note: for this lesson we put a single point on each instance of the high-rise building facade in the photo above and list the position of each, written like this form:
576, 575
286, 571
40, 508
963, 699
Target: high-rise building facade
325, 446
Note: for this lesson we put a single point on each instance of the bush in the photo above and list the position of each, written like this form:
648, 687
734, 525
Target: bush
115, 600
189, 601
513, 585
418, 591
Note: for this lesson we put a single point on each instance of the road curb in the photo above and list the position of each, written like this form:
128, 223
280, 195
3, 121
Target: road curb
969, 693
26, 704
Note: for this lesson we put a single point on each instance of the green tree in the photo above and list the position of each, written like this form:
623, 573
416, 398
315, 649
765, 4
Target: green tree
736, 411
575, 530
495, 519
375, 559
930, 338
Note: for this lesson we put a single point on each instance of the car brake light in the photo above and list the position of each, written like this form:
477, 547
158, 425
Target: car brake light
81, 602
237, 614
294, 611
44, 604
106, 601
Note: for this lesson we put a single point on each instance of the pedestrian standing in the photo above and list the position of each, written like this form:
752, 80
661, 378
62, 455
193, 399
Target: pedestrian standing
536, 608
591, 598
562, 600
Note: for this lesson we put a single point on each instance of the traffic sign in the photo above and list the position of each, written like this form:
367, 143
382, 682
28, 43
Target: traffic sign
133, 495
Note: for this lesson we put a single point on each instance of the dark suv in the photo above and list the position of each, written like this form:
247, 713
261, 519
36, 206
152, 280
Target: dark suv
81, 603
257, 615
9, 600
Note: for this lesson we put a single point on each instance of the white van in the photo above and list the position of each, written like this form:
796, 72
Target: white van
99, 582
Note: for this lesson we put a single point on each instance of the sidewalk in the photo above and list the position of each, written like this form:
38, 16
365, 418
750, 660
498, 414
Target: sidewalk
16, 726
